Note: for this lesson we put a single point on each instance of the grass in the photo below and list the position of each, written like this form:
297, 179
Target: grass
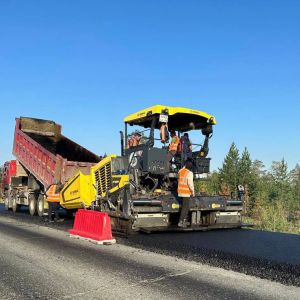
274, 224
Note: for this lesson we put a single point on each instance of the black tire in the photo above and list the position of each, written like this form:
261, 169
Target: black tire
32, 205
15, 206
40, 206
71, 213
6, 203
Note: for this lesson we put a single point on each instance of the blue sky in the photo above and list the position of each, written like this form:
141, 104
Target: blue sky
87, 64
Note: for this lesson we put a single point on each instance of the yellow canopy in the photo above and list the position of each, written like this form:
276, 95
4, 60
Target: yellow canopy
179, 118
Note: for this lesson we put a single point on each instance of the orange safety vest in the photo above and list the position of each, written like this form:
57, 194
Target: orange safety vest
163, 133
183, 188
174, 145
51, 195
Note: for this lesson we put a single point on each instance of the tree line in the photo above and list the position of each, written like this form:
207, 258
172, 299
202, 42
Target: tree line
272, 199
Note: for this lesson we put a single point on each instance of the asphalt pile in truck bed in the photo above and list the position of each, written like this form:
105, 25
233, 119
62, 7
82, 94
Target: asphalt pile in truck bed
65, 148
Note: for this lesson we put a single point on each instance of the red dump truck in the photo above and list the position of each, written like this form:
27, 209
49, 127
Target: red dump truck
43, 157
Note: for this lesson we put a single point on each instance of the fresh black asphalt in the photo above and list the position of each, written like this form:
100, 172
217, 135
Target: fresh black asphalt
269, 255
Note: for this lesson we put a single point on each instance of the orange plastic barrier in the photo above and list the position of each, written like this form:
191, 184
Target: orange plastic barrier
93, 225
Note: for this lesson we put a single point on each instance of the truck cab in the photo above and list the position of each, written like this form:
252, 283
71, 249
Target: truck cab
14, 177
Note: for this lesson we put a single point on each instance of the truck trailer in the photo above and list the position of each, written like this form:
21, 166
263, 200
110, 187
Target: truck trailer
43, 157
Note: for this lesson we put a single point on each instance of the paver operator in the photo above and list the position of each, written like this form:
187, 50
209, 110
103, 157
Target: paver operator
175, 143
135, 140
186, 146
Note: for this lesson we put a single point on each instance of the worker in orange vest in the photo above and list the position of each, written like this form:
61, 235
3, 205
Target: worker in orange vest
185, 191
175, 143
53, 202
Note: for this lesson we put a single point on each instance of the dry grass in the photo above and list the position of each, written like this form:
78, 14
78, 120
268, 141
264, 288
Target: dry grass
275, 217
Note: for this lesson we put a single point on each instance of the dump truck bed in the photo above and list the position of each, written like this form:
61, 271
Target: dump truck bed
47, 154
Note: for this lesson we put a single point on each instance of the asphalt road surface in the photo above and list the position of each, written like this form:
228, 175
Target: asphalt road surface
39, 262
269, 255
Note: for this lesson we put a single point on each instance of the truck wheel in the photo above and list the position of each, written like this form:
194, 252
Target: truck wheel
40, 205
32, 205
15, 206
71, 213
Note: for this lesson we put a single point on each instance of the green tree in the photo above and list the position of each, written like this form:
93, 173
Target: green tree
213, 184
274, 195
257, 185
244, 168
280, 185
294, 177
1, 196
279, 171
294, 173
230, 168
258, 168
